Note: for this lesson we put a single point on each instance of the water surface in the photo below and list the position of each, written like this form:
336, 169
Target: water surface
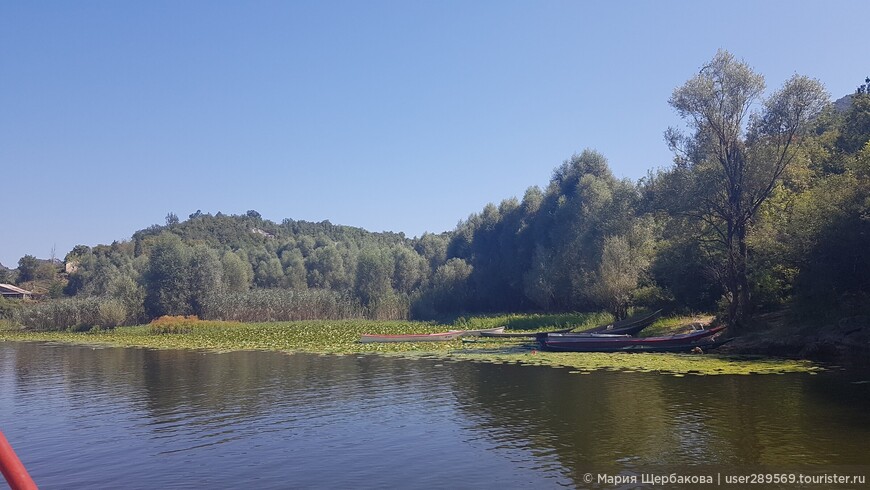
83, 417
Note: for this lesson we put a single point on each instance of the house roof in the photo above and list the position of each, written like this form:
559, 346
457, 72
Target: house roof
14, 289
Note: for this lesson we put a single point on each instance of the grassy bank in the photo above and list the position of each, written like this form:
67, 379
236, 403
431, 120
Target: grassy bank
341, 337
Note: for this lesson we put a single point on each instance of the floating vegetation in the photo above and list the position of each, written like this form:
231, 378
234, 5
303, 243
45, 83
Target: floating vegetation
693, 364
342, 338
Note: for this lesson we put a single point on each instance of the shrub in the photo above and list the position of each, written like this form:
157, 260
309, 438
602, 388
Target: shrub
173, 324
8, 307
71, 314
111, 313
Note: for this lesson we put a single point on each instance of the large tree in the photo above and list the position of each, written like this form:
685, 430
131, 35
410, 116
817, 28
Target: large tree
738, 146
167, 278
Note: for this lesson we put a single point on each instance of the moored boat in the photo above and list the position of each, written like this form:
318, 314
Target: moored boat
629, 326
520, 335
618, 343
482, 331
427, 337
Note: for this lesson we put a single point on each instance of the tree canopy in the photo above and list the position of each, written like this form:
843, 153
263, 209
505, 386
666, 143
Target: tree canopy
766, 203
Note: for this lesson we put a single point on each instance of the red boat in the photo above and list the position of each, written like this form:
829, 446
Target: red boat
12, 469
620, 343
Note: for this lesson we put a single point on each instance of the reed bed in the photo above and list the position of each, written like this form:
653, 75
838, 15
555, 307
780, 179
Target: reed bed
275, 305
72, 314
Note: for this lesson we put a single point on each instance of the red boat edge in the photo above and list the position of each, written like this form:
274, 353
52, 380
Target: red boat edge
13, 470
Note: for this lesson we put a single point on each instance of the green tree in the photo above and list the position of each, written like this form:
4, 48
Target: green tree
77, 252
624, 259
28, 268
584, 203
410, 270
5, 275
433, 248
856, 122
131, 296
167, 284
206, 277
373, 276
449, 293
734, 157
171, 220
326, 269
294, 269
538, 283
236, 274
823, 234
269, 273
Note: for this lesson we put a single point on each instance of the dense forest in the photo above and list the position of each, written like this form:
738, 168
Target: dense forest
766, 206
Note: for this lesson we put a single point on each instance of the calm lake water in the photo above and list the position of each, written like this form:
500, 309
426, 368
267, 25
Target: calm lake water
81, 417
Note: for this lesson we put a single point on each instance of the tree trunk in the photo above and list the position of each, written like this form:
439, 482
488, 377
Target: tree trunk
737, 279
732, 289
743, 299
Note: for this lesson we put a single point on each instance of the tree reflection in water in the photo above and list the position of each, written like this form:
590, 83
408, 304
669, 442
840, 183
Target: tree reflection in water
98, 417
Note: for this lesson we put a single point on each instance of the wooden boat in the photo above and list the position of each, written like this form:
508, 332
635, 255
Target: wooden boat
618, 343
427, 337
521, 335
587, 335
708, 344
704, 346
482, 331
629, 326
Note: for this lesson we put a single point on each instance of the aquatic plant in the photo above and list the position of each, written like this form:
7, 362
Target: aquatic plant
342, 337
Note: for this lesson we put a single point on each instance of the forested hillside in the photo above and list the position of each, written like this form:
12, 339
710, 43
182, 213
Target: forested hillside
767, 204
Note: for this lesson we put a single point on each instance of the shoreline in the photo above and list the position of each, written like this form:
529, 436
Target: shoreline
341, 338
840, 344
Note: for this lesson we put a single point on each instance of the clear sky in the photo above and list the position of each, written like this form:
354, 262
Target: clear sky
401, 116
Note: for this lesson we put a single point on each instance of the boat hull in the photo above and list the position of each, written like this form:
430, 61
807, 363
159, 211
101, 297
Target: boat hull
434, 337
631, 326
520, 335
427, 337
603, 343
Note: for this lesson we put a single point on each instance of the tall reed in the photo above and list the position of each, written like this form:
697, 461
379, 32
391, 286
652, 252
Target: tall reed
72, 314
272, 305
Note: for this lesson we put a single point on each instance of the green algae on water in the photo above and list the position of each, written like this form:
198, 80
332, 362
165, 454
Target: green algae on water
342, 338
694, 364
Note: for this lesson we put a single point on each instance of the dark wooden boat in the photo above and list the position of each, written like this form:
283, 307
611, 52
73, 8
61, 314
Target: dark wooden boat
621, 343
704, 346
427, 337
629, 326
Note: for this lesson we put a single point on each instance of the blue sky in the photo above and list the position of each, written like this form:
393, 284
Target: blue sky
401, 116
